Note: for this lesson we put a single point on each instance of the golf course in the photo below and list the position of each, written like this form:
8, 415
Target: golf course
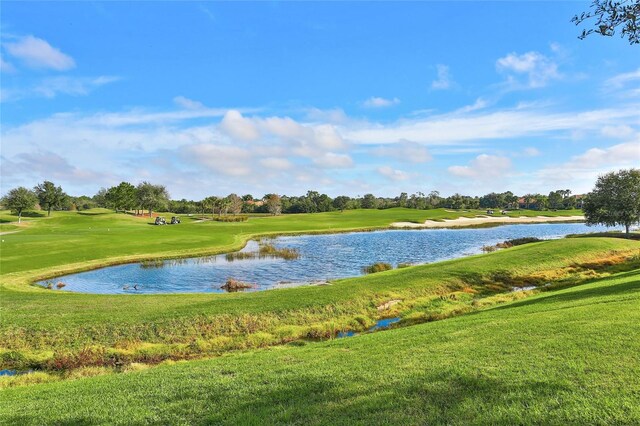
320, 213
480, 338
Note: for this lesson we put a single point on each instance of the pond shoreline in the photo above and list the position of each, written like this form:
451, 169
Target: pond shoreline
29, 281
322, 258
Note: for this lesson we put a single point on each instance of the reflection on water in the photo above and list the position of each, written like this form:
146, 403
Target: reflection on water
321, 258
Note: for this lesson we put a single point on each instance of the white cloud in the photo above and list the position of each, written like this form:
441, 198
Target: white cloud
54, 86
51, 87
530, 152
331, 116
618, 132
224, 159
477, 105
332, 160
581, 171
392, 174
538, 68
444, 80
238, 127
47, 164
376, 102
483, 167
273, 163
6, 66
455, 128
37, 53
405, 151
621, 80
187, 103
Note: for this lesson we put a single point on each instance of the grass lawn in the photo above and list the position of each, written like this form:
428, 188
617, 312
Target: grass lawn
565, 357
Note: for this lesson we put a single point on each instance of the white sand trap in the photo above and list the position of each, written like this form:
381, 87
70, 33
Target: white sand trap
467, 221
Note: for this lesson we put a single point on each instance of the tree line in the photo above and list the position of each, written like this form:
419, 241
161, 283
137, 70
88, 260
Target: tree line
615, 200
148, 197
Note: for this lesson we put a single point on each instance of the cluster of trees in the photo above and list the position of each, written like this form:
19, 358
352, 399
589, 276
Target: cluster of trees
151, 197
615, 200
125, 196
46, 194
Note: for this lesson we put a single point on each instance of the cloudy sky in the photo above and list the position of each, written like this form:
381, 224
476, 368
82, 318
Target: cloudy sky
344, 98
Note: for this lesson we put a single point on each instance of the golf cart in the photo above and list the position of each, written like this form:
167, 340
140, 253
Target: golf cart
160, 221
175, 220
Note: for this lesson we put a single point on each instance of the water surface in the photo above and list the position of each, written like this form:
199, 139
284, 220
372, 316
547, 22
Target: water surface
322, 258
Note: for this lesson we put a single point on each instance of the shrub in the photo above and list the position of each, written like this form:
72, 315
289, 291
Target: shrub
377, 267
521, 241
240, 218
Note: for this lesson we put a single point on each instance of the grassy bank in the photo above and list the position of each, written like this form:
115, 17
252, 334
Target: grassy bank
63, 331
562, 357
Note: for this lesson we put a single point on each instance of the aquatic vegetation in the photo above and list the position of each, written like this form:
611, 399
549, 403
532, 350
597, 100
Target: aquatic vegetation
377, 267
235, 285
151, 264
267, 249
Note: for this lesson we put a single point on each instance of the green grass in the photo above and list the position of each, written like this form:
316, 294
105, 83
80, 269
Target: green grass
564, 357
49, 328
52, 329
76, 240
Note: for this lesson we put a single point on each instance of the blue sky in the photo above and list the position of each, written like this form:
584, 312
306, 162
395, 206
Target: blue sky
345, 98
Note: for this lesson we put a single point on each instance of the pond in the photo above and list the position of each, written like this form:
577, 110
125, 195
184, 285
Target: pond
322, 257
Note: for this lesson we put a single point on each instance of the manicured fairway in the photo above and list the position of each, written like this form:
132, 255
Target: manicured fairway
564, 357
59, 330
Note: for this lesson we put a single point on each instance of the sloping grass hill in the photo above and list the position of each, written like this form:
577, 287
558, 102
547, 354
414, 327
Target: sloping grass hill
565, 357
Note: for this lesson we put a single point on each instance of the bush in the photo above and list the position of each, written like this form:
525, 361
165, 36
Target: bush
521, 241
241, 218
377, 267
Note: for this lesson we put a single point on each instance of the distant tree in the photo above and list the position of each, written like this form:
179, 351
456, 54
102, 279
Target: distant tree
401, 200
434, 199
84, 203
555, 199
369, 201
341, 202
152, 197
49, 195
101, 197
615, 200
235, 204
273, 203
20, 199
210, 204
122, 197
510, 200
456, 201
610, 15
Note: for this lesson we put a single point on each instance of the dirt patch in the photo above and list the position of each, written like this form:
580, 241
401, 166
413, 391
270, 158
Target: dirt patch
388, 304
